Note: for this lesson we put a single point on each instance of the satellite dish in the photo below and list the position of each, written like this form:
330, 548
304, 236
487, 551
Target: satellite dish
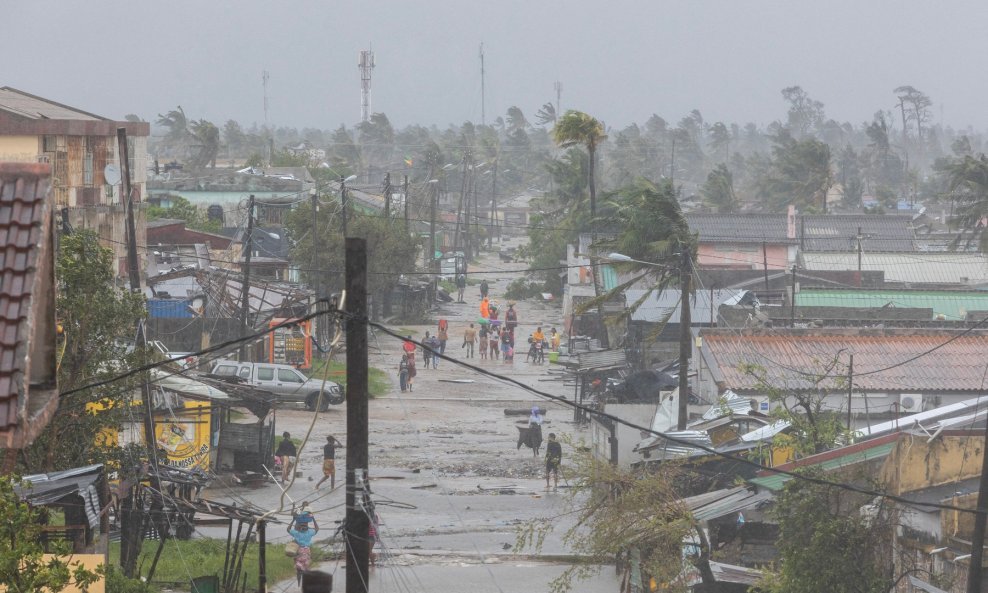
111, 173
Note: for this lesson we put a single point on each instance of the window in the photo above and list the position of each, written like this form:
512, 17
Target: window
49, 143
265, 374
87, 168
227, 370
245, 373
288, 376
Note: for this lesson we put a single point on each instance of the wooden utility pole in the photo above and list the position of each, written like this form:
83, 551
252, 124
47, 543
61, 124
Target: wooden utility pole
765, 263
405, 190
357, 522
262, 569
850, 388
978, 536
490, 231
343, 205
387, 195
792, 307
132, 524
685, 335
247, 248
431, 253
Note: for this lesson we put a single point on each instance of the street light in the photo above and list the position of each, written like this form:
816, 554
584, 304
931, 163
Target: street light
620, 257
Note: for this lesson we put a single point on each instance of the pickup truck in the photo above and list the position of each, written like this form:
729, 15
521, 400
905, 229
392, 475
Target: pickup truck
283, 380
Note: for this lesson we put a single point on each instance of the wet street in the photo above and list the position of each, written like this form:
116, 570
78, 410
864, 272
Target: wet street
450, 485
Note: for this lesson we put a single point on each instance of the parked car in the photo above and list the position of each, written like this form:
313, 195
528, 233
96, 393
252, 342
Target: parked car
283, 380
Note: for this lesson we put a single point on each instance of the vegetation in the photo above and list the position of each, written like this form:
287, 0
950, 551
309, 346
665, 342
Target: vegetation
182, 209
378, 380
23, 567
99, 322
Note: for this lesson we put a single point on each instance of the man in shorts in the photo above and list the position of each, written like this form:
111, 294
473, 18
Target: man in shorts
329, 462
553, 457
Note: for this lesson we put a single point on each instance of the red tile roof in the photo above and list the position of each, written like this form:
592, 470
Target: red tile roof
786, 355
24, 242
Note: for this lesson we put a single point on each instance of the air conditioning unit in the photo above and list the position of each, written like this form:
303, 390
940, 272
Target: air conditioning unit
760, 404
910, 403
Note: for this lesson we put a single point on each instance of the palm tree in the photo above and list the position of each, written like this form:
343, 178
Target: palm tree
968, 186
207, 137
578, 128
177, 126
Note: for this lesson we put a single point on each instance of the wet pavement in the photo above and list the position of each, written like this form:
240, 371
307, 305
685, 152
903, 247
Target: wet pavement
450, 484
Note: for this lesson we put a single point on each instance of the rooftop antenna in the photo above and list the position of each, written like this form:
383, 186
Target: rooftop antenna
366, 65
483, 94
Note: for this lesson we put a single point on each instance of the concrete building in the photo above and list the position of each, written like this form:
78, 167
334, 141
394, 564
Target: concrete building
745, 241
78, 145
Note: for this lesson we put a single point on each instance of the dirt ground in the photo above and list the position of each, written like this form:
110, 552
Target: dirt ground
450, 484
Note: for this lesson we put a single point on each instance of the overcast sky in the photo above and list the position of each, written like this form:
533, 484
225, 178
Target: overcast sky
618, 60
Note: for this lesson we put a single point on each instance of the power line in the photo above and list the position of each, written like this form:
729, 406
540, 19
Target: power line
593, 412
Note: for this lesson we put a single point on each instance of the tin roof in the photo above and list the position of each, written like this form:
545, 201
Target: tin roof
739, 228
839, 232
908, 268
25, 246
712, 505
952, 304
664, 305
34, 107
938, 360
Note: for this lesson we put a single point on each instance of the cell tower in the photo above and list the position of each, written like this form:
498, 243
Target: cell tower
264, 81
366, 65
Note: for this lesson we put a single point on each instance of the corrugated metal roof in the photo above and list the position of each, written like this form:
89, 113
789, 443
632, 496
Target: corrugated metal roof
665, 304
839, 232
942, 417
829, 461
951, 304
908, 268
938, 360
34, 107
739, 228
719, 503
923, 585
602, 359
24, 241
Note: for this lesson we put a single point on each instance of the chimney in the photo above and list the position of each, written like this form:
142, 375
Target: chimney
791, 222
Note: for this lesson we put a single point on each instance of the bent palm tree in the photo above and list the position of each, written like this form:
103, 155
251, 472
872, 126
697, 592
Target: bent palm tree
968, 186
578, 128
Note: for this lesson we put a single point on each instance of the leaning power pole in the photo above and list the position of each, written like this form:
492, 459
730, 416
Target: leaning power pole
247, 248
387, 195
405, 195
357, 521
343, 205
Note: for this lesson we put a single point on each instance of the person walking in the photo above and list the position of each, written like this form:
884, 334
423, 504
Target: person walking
329, 461
410, 361
553, 457
303, 535
408, 346
484, 333
461, 285
426, 351
403, 373
485, 308
511, 318
494, 340
443, 335
484, 288
286, 452
434, 348
554, 338
469, 339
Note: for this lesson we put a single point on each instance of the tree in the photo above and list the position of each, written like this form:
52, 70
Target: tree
618, 510
805, 114
23, 568
720, 140
546, 114
234, 137
799, 173
718, 191
516, 119
98, 320
827, 544
968, 188
207, 140
182, 209
849, 174
176, 126
578, 128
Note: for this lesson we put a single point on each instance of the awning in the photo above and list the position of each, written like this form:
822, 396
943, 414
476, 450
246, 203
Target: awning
51, 488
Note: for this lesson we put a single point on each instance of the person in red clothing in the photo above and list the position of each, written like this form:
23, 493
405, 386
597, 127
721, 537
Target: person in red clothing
408, 346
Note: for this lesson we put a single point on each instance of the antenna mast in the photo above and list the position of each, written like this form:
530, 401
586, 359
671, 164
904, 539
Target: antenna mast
559, 93
366, 65
483, 94
264, 82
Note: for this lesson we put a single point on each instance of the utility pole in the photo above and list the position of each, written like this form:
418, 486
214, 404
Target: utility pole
792, 307
978, 536
432, 227
483, 93
133, 534
672, 164
859, 237
559, 93
405, 190
490, 231
387, 195
850, 388
765, 263
685, 335
459, 207
322, 325
343, 205
247, 248
357, 487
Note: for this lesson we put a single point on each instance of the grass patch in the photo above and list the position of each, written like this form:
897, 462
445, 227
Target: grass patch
183, 560
378, 381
